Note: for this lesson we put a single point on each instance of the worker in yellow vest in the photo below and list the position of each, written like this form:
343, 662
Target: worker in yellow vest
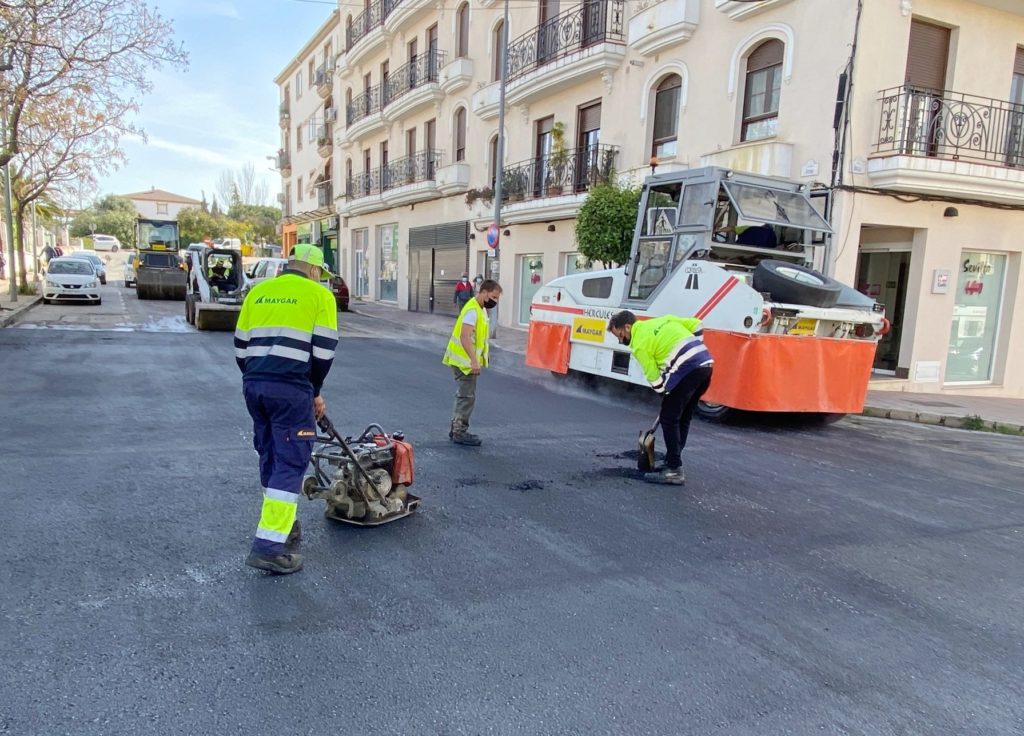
467, 355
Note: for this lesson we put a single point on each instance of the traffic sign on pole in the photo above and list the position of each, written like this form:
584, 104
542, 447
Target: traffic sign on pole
493, 236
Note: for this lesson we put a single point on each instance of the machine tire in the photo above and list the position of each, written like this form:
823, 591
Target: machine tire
715, 413
829, 417
113, 249
792, 284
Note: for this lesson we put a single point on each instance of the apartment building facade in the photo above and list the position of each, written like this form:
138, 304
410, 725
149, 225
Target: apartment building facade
610, 88
306, 155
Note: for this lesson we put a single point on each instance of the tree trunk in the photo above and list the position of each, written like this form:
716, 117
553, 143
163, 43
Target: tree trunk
19, 226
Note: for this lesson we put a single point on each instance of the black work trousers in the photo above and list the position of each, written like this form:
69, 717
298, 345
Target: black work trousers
677, 410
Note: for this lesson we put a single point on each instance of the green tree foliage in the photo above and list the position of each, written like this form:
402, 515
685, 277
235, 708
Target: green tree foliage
260, 221
111, 215
605, 222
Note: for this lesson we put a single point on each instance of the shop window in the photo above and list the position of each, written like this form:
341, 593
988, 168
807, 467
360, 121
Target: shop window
762, 91
976, 312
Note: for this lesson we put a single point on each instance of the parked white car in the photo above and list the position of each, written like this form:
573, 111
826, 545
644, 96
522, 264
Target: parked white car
129, 270
71, 279
106, 242
263, 269
98, 263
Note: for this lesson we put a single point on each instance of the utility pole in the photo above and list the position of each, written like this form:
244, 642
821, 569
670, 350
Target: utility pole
499, 164
35, 234
8, 218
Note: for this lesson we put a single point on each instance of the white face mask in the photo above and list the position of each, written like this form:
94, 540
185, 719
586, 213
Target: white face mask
465, 280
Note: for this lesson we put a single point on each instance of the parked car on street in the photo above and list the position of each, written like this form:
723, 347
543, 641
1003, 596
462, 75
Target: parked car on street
71, 279
97, 263
268, 268
106, 242
129, 270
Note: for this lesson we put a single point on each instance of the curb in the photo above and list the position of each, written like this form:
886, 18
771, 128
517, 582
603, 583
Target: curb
9, 318
945, 420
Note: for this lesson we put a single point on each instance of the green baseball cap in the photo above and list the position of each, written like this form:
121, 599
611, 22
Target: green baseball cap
309, 254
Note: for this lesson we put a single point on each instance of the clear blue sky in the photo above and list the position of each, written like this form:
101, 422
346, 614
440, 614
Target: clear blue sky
222, 112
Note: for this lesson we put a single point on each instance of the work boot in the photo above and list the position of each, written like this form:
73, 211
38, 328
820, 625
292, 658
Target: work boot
277, 564
465, 438
667, 477
295, 534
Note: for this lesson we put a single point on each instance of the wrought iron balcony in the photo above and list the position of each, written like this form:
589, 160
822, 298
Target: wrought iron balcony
284, 160
364, 105
284, 114
950, 125
324, 194
421, 166
566, 172
323, 80
592, 22
422, 70
370, 19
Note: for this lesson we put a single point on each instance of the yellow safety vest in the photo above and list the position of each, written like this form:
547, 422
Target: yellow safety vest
456, 355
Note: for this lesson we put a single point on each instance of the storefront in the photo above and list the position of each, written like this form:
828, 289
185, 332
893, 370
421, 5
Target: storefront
977, 313
387, 249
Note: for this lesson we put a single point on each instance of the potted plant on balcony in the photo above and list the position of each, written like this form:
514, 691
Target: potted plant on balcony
558, 160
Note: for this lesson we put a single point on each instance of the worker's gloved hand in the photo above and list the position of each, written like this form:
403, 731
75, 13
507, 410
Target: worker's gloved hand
319, 406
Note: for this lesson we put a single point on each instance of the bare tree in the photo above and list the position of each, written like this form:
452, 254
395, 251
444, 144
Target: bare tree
240, 186
96, 52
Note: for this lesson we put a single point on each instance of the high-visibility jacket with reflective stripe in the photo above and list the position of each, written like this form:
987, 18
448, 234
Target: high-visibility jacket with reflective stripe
456, 355
667, 348
287, 331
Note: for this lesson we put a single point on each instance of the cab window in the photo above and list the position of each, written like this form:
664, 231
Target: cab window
650, 268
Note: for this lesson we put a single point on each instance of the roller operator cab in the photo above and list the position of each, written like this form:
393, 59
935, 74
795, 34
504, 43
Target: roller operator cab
159, 270
738, 251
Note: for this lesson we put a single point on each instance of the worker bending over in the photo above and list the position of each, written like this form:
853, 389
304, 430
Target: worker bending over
284, 344
671, 352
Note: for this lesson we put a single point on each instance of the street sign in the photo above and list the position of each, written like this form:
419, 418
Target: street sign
493, 236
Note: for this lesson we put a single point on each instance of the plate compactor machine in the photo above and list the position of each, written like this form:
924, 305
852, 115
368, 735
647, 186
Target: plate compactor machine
363, 480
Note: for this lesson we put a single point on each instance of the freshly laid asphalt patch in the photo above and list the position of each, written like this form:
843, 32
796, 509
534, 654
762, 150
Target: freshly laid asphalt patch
861, 578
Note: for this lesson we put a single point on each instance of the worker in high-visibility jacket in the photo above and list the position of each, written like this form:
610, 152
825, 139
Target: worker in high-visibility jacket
675, 361
284, 344
467, 355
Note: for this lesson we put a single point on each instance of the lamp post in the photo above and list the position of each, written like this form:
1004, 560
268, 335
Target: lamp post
9, 218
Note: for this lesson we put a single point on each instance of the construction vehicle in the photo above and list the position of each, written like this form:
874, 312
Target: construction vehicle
215, 288
159, 271
738, 251
364, 480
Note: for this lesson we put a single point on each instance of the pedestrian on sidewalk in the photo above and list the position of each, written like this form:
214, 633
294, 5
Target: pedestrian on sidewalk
467, 355
671, 352
284, 344
463, 291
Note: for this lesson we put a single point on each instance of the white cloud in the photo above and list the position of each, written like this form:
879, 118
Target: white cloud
198, 153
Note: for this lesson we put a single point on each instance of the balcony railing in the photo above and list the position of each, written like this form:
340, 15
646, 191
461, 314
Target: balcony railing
592, 22
364, 105
284, 160
324, 194
951, 125
324, 135
362, 24
568, 172
420, 166
422, 70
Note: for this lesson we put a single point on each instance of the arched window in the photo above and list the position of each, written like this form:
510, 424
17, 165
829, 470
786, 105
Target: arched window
666, 116
762, 90
494, 160
498, 51
462, 31
460, 134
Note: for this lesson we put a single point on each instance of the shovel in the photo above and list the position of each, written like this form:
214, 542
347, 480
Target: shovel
645, 459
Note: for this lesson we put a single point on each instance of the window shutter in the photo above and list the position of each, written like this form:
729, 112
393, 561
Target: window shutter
590, 118
768, 54
927, 56
1018, 64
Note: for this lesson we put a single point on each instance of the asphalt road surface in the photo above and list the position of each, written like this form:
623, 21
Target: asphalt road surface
863, 578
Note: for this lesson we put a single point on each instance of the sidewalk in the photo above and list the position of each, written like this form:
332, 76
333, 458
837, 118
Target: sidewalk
10, 311
956, 411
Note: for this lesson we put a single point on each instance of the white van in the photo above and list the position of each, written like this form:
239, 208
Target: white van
106, 242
